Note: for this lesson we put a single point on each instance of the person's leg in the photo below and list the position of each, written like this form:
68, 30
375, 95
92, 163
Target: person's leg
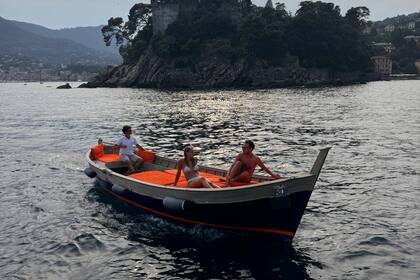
234, 171
196, 182
138, 163
201, 182
130, 167
242, 177
205, 183
126, 160
213, 185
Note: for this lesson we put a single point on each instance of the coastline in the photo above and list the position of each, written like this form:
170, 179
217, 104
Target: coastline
152, 72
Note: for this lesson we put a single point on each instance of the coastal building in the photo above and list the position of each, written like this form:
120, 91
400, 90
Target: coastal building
382, 64
388, 47
418, 66
411, 25
414, 38
389, 28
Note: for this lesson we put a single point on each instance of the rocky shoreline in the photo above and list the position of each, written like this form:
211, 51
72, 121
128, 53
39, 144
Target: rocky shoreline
151, 71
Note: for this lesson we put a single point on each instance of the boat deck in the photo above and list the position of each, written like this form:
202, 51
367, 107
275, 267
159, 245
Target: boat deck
167, 178
165, 175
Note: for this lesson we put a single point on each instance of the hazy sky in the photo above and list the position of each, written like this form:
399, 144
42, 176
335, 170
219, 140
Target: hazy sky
70, 13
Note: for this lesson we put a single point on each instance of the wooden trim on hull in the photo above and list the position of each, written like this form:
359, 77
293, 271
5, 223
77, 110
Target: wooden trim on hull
284, 233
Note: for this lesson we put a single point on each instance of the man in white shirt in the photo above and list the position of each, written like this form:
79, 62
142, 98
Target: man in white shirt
126, 144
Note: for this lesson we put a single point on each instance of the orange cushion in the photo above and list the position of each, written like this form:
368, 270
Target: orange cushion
219, 180
173, 172
97, 151
213, 178
204, 174
167, 177
107, 158
147, 156
156, 177
182, 183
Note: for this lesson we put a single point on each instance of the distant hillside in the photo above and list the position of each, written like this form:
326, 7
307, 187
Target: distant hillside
90, 37
399, 21
15, 40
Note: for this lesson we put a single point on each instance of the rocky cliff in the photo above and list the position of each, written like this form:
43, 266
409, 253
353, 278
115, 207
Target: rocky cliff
152, 71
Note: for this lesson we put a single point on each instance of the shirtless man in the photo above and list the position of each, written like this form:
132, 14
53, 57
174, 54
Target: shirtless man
244, 165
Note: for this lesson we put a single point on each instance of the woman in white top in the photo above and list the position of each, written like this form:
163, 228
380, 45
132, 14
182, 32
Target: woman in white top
188, 165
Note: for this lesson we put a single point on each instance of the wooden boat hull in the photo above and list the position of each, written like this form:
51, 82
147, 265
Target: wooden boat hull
272, 208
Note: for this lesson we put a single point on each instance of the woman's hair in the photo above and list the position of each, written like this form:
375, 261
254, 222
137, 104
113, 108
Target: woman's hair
186, 150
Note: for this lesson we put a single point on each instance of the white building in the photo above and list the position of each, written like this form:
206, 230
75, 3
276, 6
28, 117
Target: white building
411, 25
389, 28
388, 47
382, 64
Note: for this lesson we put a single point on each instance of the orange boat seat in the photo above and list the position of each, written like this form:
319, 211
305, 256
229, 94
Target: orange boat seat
98, 153
218, 180
158, 178
107, 158
147, 156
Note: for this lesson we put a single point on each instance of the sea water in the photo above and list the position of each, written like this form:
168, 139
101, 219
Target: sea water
362, 222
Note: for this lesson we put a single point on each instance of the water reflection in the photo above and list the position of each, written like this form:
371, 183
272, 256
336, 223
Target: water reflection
367, 193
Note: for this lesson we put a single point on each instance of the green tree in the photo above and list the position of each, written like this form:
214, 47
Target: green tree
321, 37
263, 33
246, 6
133, 36
114, 30
357, 16
192, 32
405, 57
397, 38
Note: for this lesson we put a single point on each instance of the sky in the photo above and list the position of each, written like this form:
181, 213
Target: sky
57, 14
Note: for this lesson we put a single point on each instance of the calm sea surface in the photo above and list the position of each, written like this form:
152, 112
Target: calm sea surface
363, 220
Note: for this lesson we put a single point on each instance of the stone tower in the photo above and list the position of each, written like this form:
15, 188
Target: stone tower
165, 12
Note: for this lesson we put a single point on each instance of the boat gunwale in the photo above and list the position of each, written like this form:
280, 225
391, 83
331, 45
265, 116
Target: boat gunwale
274, 189
258, 184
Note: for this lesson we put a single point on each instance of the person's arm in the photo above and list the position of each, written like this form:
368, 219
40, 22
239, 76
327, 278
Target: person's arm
116, 146
119, 145
136, 143
178, 172
263, 167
